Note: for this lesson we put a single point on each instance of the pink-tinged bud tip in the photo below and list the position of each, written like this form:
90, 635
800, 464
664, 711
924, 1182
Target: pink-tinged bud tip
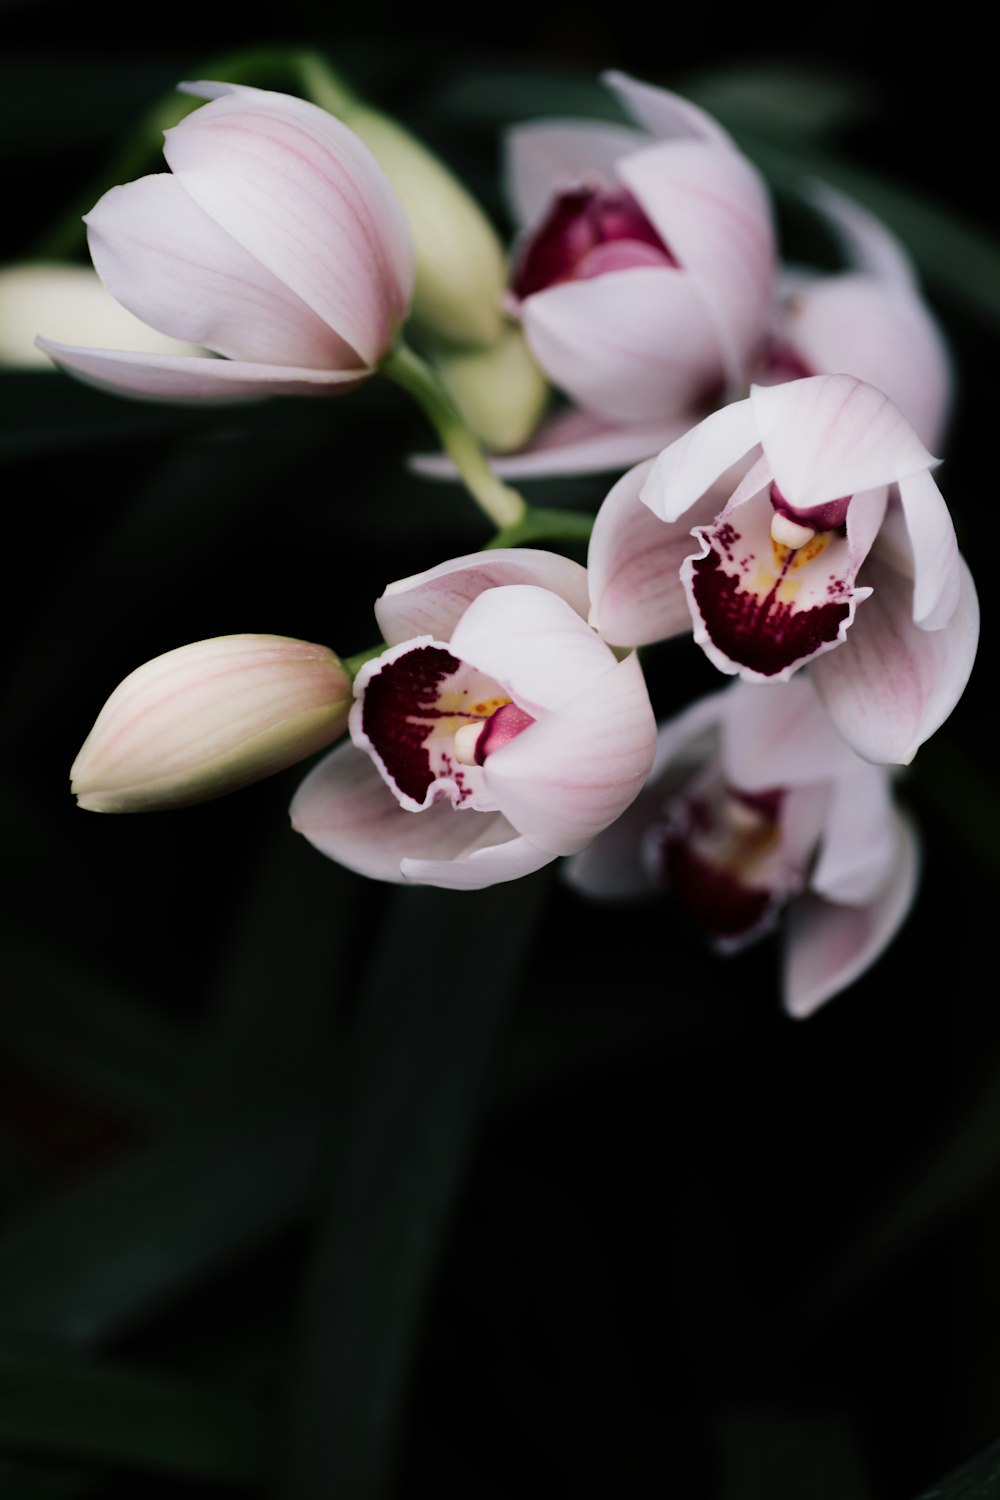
209, 718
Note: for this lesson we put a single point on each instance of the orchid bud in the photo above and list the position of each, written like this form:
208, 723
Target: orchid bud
73, 299
461, 266
210, 718
500, 391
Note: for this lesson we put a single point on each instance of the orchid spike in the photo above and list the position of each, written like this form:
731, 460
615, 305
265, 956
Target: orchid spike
496, 733
275, 241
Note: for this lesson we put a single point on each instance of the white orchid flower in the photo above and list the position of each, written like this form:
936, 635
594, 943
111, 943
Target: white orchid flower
758, 815
275, 241
496, 733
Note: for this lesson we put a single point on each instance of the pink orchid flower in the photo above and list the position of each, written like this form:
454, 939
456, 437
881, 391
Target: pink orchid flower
274, 241
757, 813
868, 320
496, 733
806, 501
644, 271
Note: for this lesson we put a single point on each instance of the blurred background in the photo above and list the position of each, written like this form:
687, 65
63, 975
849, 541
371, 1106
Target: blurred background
311, 1187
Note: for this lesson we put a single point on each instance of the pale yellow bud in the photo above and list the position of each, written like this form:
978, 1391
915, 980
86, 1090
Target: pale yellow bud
209, 718
461, 268
500, 391
70, 303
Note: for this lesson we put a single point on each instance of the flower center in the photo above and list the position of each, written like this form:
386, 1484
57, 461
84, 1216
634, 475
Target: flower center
587, 233
792, 527
714, 854
474, 742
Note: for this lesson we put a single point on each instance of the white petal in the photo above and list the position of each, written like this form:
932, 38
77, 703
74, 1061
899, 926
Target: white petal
828, 436
570, 442
880, 332
187, 378
712, 211
780, 735
571, 774
433, 602
663, 114
533, 644
546, 157
475, 869
171, 265
344, 808
860, 841
632, 346
308, 200
936, 561
891, 684
870, 246
693, 463
827, 947
634, 564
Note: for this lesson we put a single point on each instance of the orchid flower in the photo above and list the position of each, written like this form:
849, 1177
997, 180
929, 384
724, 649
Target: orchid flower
274, 241
496, 733
644, 270
806, 501
756, 812
868, 320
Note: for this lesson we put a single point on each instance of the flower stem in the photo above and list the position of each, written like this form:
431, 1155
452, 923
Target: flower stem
504, 506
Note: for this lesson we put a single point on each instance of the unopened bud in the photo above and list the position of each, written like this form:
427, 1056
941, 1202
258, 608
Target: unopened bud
500, 391
461, 268
70, 302
208, 719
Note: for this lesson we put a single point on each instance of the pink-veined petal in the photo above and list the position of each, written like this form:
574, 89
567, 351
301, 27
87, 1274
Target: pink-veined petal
780, 735
892, 684
489, 863
570, 442
710, 207
168, 377
832, 435
344, 808
859, 844
572, 773
880, 332
936, 562
760, 609
545, 157
663, 114
433, 602
634, 564
172, 266
308, 200
533, 644
632, 346
827, 947
693, 463
869, 245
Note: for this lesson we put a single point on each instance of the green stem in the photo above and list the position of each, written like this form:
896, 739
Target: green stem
539, 524
353, 664
504, 506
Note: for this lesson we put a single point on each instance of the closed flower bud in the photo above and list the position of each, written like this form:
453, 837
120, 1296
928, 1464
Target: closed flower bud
461, 265
210, 718
500, 391
72, 299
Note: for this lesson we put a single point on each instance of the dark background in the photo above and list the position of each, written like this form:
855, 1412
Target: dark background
309, 1188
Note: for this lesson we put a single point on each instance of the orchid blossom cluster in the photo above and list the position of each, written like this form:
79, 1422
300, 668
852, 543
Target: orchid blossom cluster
779, 505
